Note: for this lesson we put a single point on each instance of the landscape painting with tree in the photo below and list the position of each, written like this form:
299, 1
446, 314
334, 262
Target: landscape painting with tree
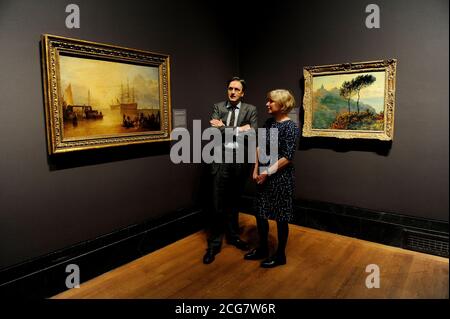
350, 100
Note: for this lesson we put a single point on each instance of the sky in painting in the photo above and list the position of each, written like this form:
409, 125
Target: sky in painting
372, 95
105, 80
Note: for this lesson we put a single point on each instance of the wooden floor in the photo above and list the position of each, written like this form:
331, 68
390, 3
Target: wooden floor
320, 265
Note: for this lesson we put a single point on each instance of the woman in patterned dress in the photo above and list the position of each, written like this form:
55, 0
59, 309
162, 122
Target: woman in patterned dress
275, 179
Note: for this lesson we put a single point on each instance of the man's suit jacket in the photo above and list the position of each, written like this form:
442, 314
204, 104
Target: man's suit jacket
247, 115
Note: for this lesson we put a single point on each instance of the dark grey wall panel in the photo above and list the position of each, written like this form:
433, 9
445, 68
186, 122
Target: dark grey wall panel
411, 176
48, 205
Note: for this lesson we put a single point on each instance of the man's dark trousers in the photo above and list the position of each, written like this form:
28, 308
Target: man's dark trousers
228, 185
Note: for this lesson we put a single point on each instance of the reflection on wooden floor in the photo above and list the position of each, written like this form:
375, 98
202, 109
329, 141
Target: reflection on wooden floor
320, 265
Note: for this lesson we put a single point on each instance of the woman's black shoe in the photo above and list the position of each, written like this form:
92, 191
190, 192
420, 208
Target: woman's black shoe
273, 261
256, 254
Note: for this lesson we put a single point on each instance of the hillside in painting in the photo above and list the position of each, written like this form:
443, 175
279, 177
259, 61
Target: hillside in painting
331, 111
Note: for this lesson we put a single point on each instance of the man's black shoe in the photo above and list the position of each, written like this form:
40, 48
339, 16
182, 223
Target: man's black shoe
273, 261
238, 243
210, 255
257, 253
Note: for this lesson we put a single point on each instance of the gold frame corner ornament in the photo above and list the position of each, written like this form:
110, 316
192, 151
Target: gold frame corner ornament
52, 46
389, 66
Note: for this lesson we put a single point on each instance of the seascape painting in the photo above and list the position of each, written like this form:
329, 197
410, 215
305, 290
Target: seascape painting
99, 95
108, 98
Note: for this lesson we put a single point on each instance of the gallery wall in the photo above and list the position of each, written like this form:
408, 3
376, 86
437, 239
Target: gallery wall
46, 205
49, 204
409, 176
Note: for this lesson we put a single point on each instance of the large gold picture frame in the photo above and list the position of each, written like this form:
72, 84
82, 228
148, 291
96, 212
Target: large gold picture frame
352, 100
99, 95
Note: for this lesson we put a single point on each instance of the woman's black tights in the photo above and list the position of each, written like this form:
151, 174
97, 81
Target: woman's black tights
263, 231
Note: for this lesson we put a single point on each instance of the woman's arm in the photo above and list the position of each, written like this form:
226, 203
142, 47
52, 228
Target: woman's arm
280, 164
256, 166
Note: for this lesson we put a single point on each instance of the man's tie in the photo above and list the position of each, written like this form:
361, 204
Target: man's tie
232, 118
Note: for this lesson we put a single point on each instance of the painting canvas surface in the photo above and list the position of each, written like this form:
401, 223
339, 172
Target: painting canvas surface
349, 101
104, 98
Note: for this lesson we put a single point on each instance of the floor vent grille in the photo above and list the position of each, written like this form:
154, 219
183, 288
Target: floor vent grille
427, 243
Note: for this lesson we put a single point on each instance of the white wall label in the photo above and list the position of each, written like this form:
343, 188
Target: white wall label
179, 118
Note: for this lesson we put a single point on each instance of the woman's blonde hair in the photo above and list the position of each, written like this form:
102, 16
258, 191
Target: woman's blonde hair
284, 98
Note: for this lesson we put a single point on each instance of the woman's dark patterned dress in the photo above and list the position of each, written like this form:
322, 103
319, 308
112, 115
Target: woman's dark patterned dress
274, 197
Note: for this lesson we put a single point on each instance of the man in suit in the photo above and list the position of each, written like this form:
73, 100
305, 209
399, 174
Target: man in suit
229, 177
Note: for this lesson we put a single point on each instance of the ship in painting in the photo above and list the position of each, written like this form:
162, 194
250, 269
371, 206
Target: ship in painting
132, 116
126, 103
73, 112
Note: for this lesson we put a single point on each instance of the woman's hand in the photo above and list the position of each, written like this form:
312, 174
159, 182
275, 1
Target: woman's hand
261, 178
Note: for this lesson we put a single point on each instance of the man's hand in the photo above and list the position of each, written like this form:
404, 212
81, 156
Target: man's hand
244, 128
216, 123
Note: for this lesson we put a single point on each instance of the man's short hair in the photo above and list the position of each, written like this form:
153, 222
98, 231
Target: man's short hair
236, 78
